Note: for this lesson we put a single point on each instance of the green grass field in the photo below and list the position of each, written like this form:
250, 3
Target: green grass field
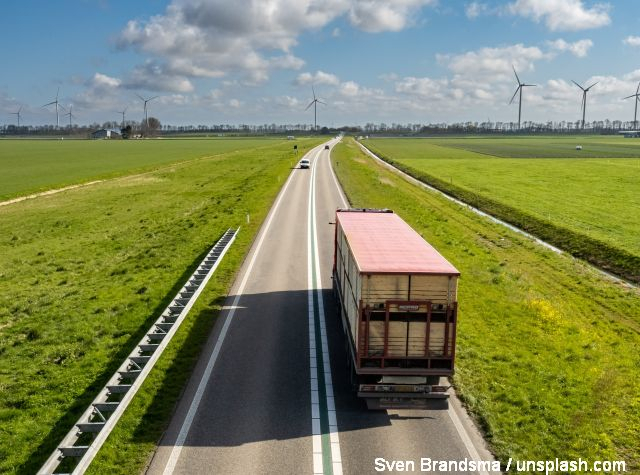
31, 166
547, 350
84, 272
596, 198
546, 146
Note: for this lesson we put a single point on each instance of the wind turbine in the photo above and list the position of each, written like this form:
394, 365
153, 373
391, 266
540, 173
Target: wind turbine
146, 118
584, 98
56, 103
521, 85
314, 103
17, 114
122, 112
70, 114
635, 113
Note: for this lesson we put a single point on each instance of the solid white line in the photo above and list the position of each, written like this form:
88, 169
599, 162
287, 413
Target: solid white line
336, 456
464, 437
204, 381
343, 197
316, 431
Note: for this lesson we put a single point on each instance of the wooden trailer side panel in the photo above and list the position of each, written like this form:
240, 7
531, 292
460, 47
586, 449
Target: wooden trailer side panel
349, 280
377, 288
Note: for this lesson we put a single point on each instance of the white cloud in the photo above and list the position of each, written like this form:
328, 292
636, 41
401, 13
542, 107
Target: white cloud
320, 77
632, 40
579, 48
349, 88
564, 15
101, 92
215, 38
288, 102
494, 64
425, 87
375, 16
475, 9
157, 77
102, 80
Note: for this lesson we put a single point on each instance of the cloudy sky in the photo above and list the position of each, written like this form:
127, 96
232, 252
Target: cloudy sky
255, 61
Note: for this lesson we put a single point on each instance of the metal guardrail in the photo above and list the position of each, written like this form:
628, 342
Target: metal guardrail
88, 434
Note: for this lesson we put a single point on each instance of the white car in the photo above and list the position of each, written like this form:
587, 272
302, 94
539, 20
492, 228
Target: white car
304, 163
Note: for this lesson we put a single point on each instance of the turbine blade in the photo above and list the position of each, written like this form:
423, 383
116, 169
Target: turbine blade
50, 103
593, 85
320, 102
514, 94
628, 97
638, 89
154, 97
141, 98
529, 85
514, 72
313, 91
577, 84
310, 104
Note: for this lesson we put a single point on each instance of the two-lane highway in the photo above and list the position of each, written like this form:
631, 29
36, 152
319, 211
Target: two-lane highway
270, 392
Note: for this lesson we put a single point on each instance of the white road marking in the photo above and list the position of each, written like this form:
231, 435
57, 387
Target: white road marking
314, 268
464, 437
204, 381
343, 198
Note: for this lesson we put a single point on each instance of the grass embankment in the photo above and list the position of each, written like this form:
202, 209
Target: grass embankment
589, 208
84, 273
547, 352
31, 166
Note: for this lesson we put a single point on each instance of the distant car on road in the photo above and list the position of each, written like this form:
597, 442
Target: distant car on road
304, 163
326, 147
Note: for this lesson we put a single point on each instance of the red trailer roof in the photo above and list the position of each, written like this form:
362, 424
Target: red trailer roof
382, 243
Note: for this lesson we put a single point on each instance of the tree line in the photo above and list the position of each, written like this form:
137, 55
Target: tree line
138, 129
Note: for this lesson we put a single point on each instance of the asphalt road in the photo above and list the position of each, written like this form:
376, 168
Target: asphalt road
262, 394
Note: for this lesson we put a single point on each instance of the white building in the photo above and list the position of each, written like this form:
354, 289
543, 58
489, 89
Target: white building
105, 134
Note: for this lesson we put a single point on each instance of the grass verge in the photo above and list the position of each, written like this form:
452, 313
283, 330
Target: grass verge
600, 253
83, 274
547, 358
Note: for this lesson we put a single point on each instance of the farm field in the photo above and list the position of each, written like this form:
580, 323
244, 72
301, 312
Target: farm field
84, 272
547, 358
546, 146
594, 199
31, 166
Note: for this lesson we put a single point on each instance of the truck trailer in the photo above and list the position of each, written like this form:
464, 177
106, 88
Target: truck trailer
397, 300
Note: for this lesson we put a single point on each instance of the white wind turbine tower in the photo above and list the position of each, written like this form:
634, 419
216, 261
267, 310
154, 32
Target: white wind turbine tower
56, 104
315, 103
122, 112
635, 113
146, 117
521, 85
70, 114
584, 98
17, 114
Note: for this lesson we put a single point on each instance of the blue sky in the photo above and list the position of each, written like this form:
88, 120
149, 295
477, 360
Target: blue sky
403, 61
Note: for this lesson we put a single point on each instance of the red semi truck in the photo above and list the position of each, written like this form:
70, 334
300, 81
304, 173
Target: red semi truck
397, 301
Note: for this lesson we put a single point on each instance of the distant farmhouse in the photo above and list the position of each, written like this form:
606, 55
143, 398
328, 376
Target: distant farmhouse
630, 134
106, 134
